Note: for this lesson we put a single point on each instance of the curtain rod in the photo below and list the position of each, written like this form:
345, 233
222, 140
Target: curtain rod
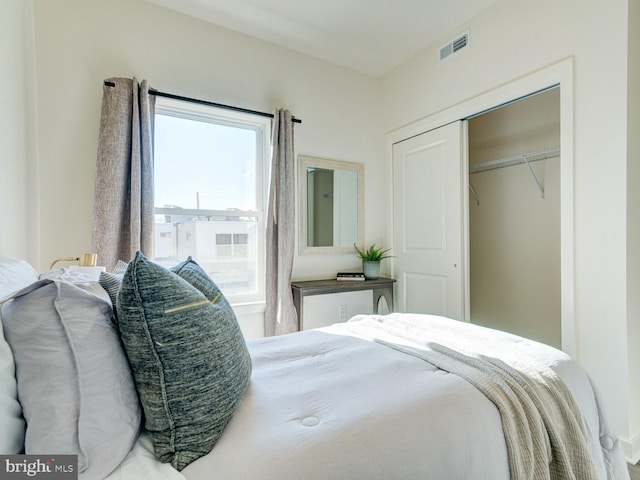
210, 104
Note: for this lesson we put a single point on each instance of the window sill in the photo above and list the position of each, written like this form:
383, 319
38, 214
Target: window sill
248, 308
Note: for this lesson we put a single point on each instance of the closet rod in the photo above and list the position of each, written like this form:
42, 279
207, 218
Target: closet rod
207, 103
514, 160
525, 158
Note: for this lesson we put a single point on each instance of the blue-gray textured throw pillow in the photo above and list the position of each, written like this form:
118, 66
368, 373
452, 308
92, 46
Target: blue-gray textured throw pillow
196, 276
188, 270
189, 359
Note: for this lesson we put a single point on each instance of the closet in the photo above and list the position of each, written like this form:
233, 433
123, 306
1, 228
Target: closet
514, 218
495, 261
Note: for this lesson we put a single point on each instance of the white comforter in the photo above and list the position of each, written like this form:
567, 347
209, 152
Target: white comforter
330, 404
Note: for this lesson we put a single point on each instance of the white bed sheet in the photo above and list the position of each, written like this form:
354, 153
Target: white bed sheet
328, 405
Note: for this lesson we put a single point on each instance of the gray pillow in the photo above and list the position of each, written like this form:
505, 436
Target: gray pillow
15, 274
120, 267
190, 362
111, 283
74, 381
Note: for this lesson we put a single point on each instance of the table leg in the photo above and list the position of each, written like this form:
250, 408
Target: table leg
298, 303
387, 293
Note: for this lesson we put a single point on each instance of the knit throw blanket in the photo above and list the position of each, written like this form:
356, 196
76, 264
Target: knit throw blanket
543, 427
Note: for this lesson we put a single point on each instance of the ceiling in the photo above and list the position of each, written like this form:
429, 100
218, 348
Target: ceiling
370, 36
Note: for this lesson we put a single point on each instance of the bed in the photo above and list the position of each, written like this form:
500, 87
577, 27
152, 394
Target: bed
400, 396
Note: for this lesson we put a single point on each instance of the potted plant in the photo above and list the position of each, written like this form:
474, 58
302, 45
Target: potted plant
371, 258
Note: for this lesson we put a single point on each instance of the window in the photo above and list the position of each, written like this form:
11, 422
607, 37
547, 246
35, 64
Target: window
232, 245
210, 172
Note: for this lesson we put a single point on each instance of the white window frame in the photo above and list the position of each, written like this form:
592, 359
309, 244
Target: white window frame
261, 125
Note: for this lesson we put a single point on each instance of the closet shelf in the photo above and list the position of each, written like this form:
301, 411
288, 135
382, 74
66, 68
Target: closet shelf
524, 158
515, 160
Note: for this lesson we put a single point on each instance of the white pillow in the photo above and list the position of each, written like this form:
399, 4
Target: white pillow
14, 275
74, 381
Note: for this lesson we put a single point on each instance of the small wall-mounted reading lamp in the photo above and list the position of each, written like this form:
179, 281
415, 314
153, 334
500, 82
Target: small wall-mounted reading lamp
86, 263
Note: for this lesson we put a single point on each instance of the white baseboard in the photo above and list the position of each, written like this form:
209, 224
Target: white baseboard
631, 449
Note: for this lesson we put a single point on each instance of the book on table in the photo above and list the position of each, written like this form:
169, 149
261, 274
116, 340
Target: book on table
350, 276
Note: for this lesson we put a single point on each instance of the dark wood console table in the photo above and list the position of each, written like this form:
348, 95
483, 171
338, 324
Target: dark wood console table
382, 287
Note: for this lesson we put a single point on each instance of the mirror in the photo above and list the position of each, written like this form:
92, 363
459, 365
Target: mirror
331, 205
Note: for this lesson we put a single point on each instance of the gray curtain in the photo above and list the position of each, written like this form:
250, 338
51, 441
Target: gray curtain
123, 196
280, 314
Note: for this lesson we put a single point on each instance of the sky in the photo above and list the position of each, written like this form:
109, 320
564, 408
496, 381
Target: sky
197, 159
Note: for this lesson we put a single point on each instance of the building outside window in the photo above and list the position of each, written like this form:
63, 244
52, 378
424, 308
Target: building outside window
210, 173
232, 244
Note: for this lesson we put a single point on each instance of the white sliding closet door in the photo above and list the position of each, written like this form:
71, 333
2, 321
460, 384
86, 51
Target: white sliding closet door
428, 221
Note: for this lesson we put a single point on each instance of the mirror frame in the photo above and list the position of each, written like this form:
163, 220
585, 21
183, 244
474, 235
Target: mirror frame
304, 162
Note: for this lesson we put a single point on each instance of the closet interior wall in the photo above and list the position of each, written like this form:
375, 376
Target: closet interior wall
514, 231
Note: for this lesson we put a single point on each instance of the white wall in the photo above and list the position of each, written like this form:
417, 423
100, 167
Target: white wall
515, 38
18, 179
633, 203
82, 42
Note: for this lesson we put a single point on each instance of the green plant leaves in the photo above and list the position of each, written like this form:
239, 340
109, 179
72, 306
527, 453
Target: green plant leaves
372, 253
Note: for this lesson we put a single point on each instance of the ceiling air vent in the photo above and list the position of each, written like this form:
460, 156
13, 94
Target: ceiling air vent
454, 46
